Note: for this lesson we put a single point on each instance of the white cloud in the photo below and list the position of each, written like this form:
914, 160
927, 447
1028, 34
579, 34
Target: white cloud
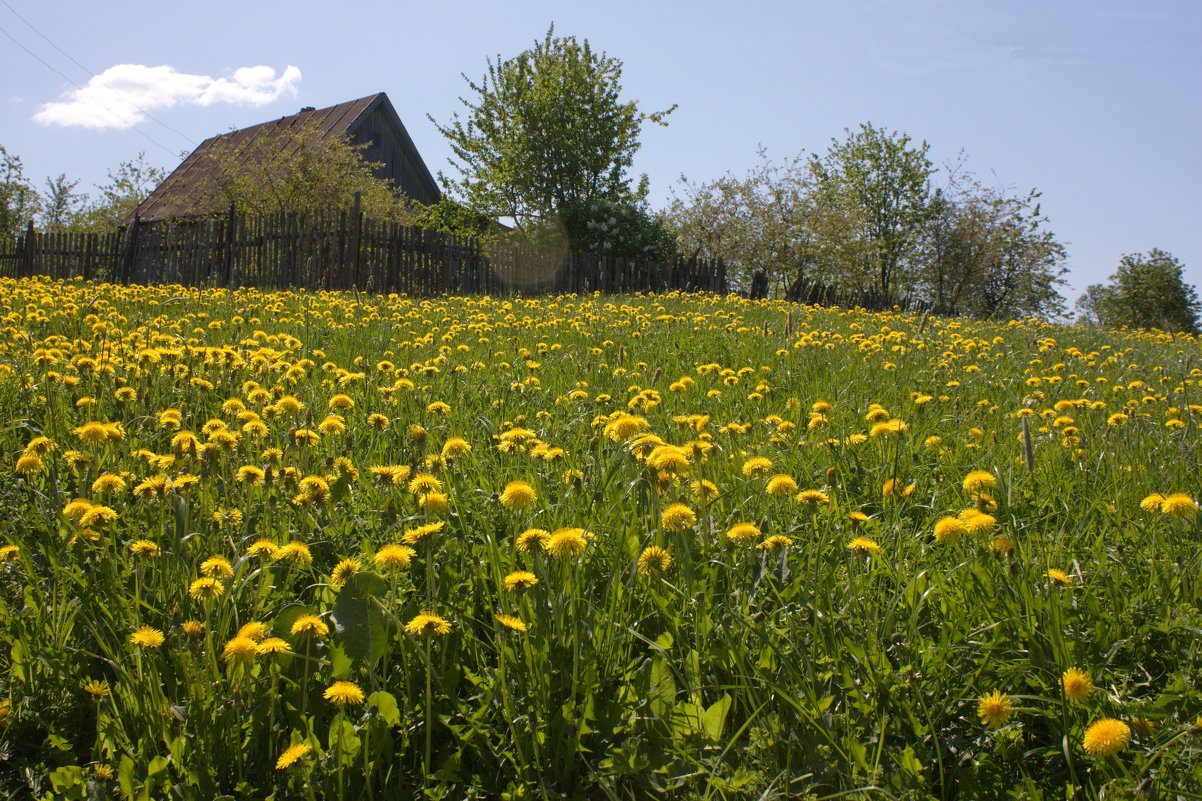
120, 96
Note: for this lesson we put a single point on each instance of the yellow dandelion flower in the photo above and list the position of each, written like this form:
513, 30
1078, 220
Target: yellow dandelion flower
97, 688
250, 475
343, 693
455, 448
1058, 576
192, 628
531, 538
144, 548
519, 581
216, 567
97, 516
394, 557
205, 589
423, 483
813, 497
781, 484
995, 709
566, 542
292, 754
518, 495
255, 629
757, 466
677, 516
773, 543
427, 623
863, 545
1152, 503
420, 534
240, 649
263, 548
654, 560
1180, 505
1077, 685
948, 530
343, 571
272, 645
743, 532
29, 464
510, 622
147, 637
977, 522
978, 481
309, 626
295, 551
1106, 737
340, 403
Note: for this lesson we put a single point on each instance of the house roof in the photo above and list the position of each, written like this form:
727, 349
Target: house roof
187, 191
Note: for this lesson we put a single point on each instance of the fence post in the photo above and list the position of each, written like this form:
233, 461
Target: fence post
356, 235
131, 250
227, 248
28, 250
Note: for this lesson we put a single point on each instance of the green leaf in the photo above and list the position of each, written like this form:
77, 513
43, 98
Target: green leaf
69, 782
385, 706
125, 776
662, 687
341, 663
361, 625
344, 741
715, 718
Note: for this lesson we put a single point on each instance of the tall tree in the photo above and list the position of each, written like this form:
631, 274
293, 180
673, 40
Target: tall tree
875, 189
1146, 291
989, 253
128, 185
545, 130
756, 222
62, 207
19, 201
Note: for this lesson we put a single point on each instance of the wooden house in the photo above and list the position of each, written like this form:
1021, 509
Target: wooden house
370, 121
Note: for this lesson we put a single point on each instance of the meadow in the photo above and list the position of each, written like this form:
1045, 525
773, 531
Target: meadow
329, 546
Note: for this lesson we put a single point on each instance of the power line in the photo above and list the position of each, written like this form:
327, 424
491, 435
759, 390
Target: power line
48, 66
33, 28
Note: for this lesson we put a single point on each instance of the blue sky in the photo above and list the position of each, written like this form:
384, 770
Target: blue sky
1098, 103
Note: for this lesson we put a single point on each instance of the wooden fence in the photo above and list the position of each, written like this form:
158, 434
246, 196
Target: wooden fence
336, 249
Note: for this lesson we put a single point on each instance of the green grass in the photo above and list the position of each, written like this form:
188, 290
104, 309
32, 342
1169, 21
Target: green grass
739, 673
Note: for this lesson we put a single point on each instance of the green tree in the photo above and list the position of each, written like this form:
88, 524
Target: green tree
760, 221
19, 201
62, 207
1146, 291
874, 197
546, 129
307, 170
990, 254
128, 185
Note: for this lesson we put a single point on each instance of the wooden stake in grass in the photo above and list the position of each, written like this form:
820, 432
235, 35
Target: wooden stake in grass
1028, 451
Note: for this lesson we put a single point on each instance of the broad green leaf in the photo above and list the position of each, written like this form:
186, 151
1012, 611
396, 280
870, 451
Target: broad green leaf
385, 706
361, 624
715, 718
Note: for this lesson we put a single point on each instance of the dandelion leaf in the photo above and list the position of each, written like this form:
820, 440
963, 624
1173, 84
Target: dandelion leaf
361, 627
